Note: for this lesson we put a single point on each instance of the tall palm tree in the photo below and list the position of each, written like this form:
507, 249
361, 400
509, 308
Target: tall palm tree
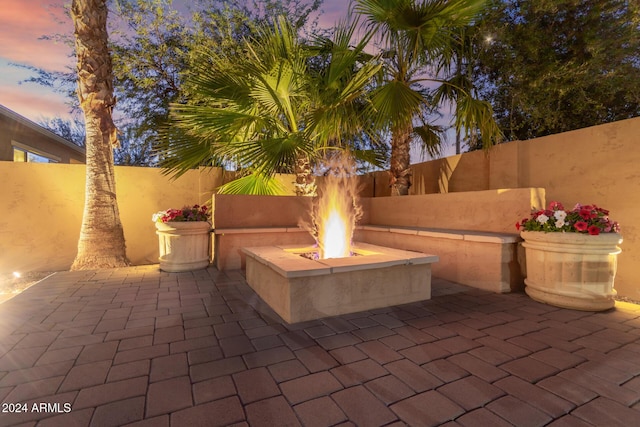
101, 243
269, 111
419, 40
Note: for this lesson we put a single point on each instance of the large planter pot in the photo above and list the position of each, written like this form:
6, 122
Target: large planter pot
184, 246
571, 270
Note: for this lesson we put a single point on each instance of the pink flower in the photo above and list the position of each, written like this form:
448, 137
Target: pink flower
581, 226
556, 206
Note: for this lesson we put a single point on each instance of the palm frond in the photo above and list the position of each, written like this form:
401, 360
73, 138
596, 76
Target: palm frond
430, 139
476, 114
254, 184
397, 101
374, 156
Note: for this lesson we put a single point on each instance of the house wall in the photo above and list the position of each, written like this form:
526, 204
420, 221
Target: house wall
12, 130
595, 165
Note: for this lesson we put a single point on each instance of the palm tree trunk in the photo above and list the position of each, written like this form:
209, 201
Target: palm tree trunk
101, 243
400, 161
305, 181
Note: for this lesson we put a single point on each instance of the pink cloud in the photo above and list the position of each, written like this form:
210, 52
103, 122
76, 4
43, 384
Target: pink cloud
33, 103
23, 23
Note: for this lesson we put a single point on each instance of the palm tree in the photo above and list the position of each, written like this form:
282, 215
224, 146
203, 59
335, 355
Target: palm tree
101, 243
419, 41
277, 109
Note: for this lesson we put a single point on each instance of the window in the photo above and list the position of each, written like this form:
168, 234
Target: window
23, 153
19, 155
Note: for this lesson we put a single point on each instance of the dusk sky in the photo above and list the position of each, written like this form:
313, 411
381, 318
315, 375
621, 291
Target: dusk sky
24, 22
22, 25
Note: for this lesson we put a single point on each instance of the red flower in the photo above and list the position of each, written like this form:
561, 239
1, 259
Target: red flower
518, 225
587, 214
581, 226
594, 230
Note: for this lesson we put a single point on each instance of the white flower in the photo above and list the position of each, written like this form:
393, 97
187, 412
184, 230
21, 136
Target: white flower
542, 219
156, 217
560, 215
560, 223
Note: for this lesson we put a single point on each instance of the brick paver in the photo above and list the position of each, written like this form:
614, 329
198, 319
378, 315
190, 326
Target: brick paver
316, 358
255, 384
541, 399
221, 412
389, 389
427, 409
471, 392
362, 407
144, 348
413, 375
166, 367
271, 412
320, 412
518, 412
309, 387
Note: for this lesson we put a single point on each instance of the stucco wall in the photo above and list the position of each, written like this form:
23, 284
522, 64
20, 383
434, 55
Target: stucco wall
488, 210
242, 211
43, 203
596, 165
43, 206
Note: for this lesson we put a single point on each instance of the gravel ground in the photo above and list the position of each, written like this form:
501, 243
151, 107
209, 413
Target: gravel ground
625, 299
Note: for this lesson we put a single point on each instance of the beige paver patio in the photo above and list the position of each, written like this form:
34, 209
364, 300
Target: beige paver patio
136, 346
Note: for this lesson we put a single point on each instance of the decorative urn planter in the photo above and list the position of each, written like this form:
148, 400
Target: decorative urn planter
571, 270
184, 245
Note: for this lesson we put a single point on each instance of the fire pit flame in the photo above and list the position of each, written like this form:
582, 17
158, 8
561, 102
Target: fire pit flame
336, 210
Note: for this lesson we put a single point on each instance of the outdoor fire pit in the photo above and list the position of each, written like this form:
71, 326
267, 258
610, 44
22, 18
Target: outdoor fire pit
299, 289
336, 276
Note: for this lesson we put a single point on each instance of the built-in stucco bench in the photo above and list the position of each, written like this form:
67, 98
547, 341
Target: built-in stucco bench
484, 260
227, 243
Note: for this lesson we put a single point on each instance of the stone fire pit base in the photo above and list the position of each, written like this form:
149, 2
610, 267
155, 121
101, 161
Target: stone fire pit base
300, 289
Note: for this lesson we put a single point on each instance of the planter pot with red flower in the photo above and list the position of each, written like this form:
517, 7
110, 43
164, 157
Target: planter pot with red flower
571, 257
184, 236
